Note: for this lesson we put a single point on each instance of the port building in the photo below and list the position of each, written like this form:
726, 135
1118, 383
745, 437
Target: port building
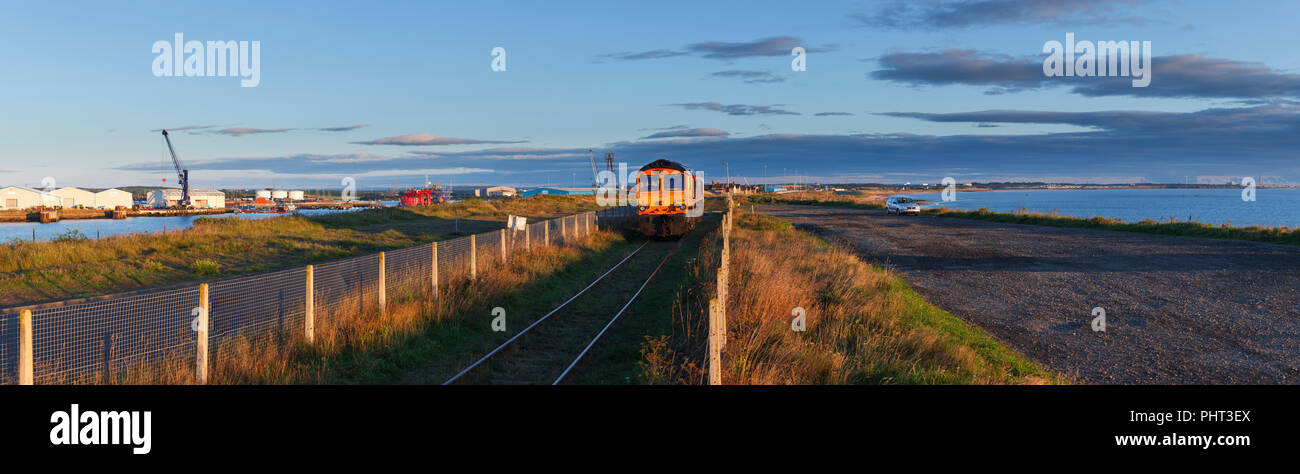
70, 197
200, 198
506, 191
112, 198
18, 197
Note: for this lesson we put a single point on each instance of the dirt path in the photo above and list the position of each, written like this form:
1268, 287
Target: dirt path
1179, 310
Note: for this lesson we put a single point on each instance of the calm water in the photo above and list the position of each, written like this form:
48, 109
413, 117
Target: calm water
1272, 207
134, 225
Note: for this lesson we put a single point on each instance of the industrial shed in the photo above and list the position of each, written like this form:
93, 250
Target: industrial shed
501, 191
72, 197
18, 197
113, 197
200, 198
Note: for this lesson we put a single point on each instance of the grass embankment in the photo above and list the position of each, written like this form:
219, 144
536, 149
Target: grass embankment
856, 200
1272, 235
74, 266
864, 325
419, 339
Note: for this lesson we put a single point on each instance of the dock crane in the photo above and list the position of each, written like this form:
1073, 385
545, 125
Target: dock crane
182, 174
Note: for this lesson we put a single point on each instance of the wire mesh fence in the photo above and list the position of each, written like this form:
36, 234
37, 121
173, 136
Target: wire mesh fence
127, 338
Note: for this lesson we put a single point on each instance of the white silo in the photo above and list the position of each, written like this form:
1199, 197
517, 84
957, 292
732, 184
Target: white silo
278, 194
295, 195
263, 194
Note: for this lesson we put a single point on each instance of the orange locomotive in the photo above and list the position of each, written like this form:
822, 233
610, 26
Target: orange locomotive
669, 199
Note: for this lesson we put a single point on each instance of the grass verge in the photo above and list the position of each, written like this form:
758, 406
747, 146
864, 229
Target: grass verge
1272, 235
863, 324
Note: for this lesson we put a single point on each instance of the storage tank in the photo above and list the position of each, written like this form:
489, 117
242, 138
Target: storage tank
279, 194
295, 195
264, 194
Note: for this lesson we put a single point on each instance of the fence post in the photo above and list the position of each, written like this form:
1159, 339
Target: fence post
25, 347
383, 283
546, 234
528, 232
503, 246
201, 344
434, 273
715, 350
473, 257
309, 313
564, 229
108, 358
586, 223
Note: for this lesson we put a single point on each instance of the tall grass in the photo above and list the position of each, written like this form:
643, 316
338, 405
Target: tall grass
355, 341
864, 325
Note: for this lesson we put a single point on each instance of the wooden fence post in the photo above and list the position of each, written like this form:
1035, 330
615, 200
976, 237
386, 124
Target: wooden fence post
473, 257
546, 234
25, 347
309, 303
434, 273
715, 349
503, 247
528, 232
201, 344
383, 283
564, 229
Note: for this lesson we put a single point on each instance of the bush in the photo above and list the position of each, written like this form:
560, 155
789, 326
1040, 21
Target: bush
204, 266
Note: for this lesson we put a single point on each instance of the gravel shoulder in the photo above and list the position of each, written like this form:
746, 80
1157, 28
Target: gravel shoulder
1179, 310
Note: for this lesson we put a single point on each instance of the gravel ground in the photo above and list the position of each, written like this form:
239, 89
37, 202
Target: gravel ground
1179, 310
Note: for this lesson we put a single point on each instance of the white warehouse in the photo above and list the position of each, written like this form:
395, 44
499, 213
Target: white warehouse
72, 197
200, 198
112, 198
18, 197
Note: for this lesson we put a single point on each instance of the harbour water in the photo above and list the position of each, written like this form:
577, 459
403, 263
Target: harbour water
134, 225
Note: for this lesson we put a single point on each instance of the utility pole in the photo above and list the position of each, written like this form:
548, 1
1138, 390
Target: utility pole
728, 165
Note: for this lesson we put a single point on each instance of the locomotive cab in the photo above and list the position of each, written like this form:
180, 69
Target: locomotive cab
667, 203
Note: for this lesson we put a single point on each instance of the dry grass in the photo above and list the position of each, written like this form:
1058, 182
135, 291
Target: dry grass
348, 335
863, 324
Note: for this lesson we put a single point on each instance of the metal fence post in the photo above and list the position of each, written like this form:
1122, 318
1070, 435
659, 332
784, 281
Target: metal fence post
309, 303
108, 358
383, 283
201, 344
473, 257
715, 350
25, 347
434, 273
503, 246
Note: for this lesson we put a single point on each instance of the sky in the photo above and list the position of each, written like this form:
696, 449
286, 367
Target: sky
388, 93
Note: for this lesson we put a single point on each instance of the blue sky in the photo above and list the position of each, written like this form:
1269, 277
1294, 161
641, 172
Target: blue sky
934, 88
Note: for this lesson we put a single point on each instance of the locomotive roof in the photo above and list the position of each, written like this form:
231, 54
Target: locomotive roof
661, 163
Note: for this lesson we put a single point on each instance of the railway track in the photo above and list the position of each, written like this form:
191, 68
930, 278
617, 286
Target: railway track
550, 349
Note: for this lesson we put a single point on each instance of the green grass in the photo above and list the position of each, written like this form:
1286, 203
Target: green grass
1272, 235
73, 266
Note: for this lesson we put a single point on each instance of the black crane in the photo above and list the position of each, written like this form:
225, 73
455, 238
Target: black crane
182, 174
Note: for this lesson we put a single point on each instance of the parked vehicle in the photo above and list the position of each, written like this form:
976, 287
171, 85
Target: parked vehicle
902, 205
